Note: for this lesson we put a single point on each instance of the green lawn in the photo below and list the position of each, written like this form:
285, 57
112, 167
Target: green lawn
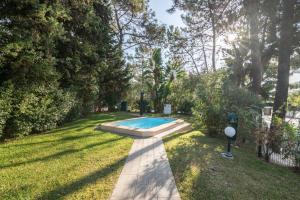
78, 162
72, 162
201, 173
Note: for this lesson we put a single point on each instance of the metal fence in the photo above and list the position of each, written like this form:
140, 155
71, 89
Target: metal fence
288, 153
281, 159
287, 157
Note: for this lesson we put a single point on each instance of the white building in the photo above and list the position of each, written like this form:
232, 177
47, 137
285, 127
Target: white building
290, 116
294, 81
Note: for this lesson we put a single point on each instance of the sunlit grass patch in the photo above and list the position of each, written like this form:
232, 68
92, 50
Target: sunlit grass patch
72, 162
201, 173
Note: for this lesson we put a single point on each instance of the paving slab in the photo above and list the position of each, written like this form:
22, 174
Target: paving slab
146, 173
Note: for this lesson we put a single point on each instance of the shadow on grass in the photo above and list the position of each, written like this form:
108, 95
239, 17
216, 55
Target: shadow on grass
174, 136
65, 190
149, 175
68, 189
201, 173
60, 154
58, 141
89, 121
190, 158
79, 125
92, 121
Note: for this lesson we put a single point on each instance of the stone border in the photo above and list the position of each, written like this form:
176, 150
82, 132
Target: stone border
110, 126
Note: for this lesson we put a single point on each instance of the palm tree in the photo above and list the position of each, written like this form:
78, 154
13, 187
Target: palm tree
153, 76
172, 72
159, 78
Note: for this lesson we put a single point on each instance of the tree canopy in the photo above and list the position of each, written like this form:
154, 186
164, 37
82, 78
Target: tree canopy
61, 60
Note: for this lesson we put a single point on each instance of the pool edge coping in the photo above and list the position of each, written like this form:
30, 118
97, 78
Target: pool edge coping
140, 132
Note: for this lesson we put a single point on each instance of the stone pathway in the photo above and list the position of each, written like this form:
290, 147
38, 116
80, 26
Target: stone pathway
146, 174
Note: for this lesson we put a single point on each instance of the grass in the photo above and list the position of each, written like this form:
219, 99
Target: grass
72, 162
201, 173
78, 162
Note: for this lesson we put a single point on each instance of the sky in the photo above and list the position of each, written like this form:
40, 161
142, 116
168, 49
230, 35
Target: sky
160, 8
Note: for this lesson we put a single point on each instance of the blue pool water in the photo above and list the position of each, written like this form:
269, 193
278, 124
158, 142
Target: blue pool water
145, 123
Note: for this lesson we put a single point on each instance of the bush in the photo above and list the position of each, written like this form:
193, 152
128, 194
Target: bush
146, 104
185, 105
5, 105
182, 95
38, 109
209, 111
216, 96
246, 105
281, 138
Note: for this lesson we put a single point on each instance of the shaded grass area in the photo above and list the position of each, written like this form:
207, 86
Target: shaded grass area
201, 173
71, 162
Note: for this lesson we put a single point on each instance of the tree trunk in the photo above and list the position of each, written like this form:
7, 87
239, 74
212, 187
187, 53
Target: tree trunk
271, 34
214, 49
204, 54
213, 24
252, 7
285, 51
120, 29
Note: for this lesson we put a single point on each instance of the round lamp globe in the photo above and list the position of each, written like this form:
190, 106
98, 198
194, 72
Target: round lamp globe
229, 131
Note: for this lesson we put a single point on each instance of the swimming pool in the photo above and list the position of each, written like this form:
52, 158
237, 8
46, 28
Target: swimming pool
146, 126
145, 122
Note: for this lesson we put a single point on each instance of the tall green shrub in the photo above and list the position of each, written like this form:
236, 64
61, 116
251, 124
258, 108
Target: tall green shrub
216, 96
5, 105
246, 105
61, 59
182, 94
38, 109
209, 109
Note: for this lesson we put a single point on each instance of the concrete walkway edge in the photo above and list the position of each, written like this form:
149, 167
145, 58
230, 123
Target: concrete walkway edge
146, 173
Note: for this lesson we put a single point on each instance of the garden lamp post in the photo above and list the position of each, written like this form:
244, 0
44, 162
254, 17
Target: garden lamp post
142, 92
142, 103
232, 119
230, 133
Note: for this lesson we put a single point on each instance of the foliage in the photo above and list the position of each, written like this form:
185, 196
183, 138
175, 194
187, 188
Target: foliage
216, 97
134, 24
290, 142
38, 109
205, 21
61, 60
160, 82
246, 105
133, 95
209, 111
282, 137
113, 83
182, 94
294, 101
5, 104
153, 76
